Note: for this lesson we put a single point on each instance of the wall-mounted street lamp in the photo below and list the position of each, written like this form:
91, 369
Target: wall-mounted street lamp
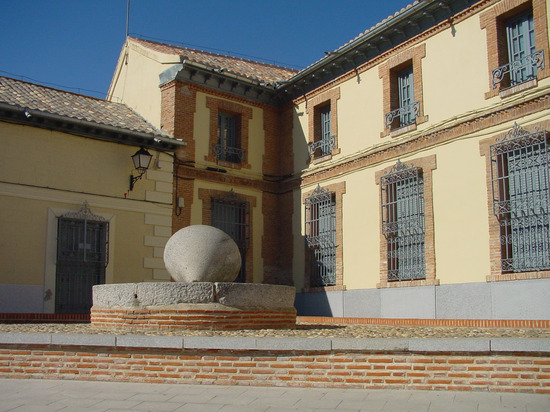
142, 159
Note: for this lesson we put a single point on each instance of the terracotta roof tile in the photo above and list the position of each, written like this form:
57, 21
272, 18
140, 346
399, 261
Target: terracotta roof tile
251, 69
76, 106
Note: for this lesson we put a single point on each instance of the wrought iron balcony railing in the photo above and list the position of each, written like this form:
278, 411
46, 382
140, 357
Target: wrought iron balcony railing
530, 62
406, 114
229, 154
326, 146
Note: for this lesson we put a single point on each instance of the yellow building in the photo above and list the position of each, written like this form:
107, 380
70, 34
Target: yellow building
405, 174
68, 217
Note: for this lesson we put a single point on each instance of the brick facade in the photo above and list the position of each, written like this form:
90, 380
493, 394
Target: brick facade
179, 106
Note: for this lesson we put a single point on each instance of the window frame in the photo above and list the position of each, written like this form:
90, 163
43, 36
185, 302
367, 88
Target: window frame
388, 72
336, 190
426, 165
206, 196
498, 204
242, 115
494, 22
316, 144
236, 206
403, 222
320, 226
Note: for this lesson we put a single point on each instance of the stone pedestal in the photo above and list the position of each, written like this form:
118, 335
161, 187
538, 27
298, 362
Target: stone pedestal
196, 305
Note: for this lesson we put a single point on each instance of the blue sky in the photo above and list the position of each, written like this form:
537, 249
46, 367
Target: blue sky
74, 44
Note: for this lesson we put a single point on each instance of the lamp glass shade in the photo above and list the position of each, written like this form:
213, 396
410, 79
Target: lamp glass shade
142, 159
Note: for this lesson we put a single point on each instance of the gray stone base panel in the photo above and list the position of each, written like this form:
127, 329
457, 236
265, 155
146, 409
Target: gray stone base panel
21, 298
522, 299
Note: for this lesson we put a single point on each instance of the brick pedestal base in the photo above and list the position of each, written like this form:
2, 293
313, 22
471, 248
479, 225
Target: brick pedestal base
195, 318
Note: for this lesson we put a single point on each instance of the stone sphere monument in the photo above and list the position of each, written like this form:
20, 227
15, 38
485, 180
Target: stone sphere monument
202, 253
203, 262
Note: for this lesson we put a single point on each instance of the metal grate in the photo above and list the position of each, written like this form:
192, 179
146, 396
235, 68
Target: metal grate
402, 200
521, 199
228, 146
232, 215
82, 255
321, 236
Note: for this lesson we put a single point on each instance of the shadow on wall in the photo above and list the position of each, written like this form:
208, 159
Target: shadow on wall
313, 304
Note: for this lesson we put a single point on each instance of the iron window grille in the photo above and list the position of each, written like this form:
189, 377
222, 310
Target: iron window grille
321, 236
232, 215
523, 58
227, 147
326, 145
402, 200
82, 256
521, 199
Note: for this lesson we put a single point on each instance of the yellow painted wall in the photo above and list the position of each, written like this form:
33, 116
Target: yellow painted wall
22, 244
81, 164
360, 117
46, 174
136, 80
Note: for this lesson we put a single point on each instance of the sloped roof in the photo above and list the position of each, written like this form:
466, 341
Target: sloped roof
32, 96
250, 69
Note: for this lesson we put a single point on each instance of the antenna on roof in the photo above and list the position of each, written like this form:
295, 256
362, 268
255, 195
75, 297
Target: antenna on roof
127, 16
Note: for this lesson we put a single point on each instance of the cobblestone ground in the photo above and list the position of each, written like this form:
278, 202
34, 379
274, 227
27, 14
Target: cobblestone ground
304, 330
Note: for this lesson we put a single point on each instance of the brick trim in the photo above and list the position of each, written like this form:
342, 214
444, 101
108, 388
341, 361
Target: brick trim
493, 21
313, 107
428, 165
338, 189
496, 274
178, 107
461, 323
388, 73
206, 196
216, 106
140, 320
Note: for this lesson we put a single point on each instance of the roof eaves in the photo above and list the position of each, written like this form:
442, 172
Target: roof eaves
362, 38
81, 127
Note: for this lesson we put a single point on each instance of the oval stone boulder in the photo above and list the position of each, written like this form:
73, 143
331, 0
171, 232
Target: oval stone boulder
202, 253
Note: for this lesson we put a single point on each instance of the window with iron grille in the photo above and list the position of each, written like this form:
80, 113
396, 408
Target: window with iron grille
82, 256
228, 147
405, 109
402, 200
321, 237
518, 56
521, 199
232, 215
324, 141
